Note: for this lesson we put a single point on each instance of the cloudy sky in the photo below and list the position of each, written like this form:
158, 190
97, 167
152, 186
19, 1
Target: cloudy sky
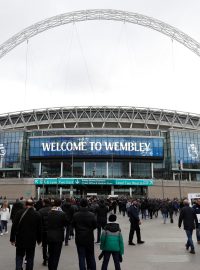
96, 63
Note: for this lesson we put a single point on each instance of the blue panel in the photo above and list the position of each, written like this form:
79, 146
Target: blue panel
187, 148
96, 146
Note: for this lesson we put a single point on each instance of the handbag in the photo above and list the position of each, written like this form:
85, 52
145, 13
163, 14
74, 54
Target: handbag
101, 255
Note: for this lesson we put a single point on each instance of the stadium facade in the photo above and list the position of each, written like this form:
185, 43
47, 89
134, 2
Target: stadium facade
78, 151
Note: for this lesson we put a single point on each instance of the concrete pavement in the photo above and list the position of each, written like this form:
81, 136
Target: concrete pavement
164, 249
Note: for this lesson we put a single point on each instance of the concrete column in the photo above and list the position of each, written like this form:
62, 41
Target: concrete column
40, 168
61, 169
107, 169
38, 193
71, 192
190, 178
130, 192
112, 190
1, 162
19, 174
83, 168
152, 174
60, 192
129, 174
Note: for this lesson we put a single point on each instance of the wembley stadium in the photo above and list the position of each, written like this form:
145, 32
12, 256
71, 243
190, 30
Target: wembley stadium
85, 151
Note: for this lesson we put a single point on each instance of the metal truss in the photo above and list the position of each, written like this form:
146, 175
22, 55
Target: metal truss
99, 118
100, 14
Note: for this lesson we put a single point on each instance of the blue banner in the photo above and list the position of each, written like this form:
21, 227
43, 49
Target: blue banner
96, 146
186, 147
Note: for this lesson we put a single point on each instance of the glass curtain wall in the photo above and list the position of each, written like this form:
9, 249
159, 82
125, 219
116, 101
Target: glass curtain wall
140, 170
95, 169
118, 169
51, 169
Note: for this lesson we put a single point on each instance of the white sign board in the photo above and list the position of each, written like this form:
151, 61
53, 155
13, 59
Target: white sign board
193, 196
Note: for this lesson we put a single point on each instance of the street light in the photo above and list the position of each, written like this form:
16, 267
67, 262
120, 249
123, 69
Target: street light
44, 174
163, 194
72, 166
180, 166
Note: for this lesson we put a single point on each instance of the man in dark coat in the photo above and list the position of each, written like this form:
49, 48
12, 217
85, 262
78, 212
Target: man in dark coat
44, 216
85, 223
101, 213
135, 222
69, 212
196, 208
18, 205
189, 219
25, 232
56, 223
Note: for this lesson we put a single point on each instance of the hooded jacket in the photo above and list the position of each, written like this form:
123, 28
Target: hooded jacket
111, 238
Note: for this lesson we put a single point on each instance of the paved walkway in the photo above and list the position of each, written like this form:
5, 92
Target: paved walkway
163, 250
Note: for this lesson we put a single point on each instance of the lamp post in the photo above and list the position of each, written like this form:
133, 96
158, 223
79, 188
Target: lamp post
72, 166
180, 166
163, 194
56, 187
43, 183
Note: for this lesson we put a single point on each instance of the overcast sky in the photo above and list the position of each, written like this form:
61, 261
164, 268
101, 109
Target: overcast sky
97, 63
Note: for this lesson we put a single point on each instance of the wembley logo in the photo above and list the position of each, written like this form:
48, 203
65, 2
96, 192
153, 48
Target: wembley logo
2, 150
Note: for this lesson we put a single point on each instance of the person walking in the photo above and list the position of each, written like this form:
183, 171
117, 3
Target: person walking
18, 205
69, 212
101, 213
44, 218
135, 223
196, 208
5, 216
164, 210
56, 223
85, 223
171, 210
25, 232
112, 243
189, 219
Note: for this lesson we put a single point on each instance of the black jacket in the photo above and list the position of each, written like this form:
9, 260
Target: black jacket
133, 214
68, 210
188, 217
44, 217
101, 213
28, 231
16, 207
56, 222
84, 223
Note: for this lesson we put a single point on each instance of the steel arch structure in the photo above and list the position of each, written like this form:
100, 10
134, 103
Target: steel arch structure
115, 118
100, 14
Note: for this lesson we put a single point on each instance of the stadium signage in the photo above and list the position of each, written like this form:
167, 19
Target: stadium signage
100, 146
96, 146
93, 181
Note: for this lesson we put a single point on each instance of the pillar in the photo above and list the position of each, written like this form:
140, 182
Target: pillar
130, 192
129, 174
112, 190
71, 192
152, 174
61, 169
60, 192
107, 169
84, 172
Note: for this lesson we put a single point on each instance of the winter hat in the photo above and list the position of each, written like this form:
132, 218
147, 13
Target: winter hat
112, 218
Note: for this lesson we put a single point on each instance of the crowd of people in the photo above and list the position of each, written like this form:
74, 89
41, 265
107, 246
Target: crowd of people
54, 221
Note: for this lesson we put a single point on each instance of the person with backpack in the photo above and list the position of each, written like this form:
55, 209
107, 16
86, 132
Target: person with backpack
112, 243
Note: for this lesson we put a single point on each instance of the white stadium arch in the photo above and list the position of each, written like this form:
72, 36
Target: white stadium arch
100, 14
